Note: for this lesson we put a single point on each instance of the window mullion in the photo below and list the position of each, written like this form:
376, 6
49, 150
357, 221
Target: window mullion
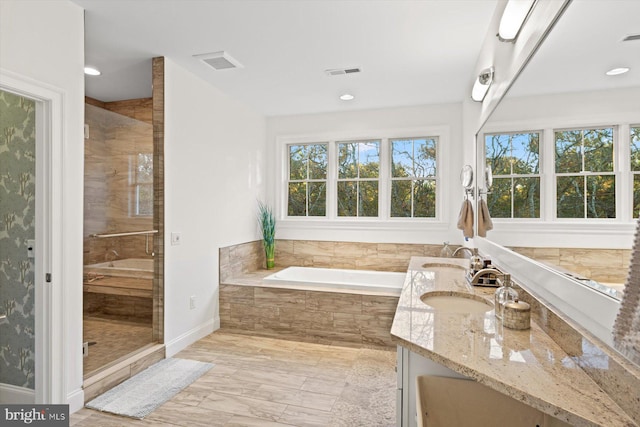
332, 180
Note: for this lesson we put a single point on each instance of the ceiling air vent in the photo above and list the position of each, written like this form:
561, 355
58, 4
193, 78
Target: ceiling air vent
219, 60
342, 71
631, 37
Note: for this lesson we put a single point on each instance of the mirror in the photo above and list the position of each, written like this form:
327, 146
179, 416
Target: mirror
565, 188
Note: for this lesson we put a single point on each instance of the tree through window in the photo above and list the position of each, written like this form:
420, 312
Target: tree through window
413, 177
307, 184
358, 173
514, 159
585, 178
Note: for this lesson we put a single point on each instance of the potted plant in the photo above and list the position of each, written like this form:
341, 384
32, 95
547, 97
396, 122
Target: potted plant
267, 222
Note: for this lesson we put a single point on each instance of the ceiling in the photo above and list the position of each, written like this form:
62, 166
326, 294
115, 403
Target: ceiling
410, 52
585, 43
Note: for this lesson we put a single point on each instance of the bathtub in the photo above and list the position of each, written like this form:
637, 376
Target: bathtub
338, 280
130, 267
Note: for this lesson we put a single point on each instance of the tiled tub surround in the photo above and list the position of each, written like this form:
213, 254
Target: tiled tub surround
249, 306
529, 365
602, 265
248, 257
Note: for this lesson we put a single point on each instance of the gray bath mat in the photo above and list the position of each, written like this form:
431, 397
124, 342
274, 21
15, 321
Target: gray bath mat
141, 394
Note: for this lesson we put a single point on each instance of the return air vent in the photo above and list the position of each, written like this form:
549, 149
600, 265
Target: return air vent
219, 60
342, 71
631, 38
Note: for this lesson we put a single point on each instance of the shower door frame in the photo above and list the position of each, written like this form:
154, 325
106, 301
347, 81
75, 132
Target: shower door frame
50, 322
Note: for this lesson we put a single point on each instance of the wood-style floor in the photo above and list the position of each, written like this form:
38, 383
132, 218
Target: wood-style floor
269, 382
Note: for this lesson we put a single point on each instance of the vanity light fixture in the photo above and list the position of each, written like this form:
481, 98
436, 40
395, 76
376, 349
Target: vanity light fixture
514, 15
617, 71
482, 84
347, 97
92, 71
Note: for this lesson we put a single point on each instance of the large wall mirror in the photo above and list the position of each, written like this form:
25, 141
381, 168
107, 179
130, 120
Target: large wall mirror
564, 148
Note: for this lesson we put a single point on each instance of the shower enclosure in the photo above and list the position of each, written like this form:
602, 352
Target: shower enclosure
118, 232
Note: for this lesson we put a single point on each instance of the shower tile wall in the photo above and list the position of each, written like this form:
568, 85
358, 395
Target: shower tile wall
118, 132
17, 224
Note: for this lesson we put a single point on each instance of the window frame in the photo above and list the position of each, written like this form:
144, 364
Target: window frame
615, 134
307, 180
383, 221
412, 178
632, 173
512, 176
358, 179
135, 185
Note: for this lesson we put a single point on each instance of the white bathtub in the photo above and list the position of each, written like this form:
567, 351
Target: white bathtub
329, 279
129, 267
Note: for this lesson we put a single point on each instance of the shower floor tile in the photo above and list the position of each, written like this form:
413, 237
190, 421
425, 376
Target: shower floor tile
264, 382
113, 339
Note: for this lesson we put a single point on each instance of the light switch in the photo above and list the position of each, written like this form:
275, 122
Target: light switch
176, 239
31, 248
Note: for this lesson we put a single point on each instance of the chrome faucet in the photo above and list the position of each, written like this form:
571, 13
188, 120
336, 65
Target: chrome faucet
111, 256
471, 253
505, 278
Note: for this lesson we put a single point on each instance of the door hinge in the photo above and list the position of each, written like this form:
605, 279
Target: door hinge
47, 277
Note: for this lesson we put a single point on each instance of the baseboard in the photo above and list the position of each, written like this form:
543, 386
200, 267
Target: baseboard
191, 336
11, 394
75, 399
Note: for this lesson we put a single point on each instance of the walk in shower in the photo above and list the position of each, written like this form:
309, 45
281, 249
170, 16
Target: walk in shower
118, 231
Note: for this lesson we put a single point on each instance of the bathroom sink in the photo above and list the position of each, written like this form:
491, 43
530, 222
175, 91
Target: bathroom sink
458, 303
442, 264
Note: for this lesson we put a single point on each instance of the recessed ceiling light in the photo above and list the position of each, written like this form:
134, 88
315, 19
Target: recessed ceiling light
91, 71
347, 97
616, 71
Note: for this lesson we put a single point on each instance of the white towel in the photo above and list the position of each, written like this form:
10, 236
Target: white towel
465, 219
484, 219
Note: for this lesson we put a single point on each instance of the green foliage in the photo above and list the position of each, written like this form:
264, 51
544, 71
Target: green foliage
413, 171
307, 192
267, 222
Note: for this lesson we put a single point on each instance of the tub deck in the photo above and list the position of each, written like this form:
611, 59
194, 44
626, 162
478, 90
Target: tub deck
129, 286
315, 314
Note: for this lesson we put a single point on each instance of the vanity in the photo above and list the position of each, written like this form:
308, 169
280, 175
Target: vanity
465, 342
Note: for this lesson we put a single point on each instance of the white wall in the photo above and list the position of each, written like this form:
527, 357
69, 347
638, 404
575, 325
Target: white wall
367, 124
214, 169
44, 41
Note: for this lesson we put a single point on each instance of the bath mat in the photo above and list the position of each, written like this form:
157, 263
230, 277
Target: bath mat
141, 394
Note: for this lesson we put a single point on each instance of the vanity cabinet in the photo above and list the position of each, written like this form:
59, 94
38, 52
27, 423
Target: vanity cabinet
431, 395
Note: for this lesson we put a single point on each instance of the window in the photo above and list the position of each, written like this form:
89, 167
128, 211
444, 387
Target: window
413, 177
585, 178
141, 180
635, 168
307, 183
358, 173
514, 159
379, 177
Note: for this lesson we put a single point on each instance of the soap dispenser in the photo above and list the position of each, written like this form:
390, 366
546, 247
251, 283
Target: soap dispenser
476, 261
504, 294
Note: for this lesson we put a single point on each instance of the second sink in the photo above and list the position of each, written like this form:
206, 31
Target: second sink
456, 303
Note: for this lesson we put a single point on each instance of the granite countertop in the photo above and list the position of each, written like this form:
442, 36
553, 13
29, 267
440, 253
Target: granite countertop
526, 365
